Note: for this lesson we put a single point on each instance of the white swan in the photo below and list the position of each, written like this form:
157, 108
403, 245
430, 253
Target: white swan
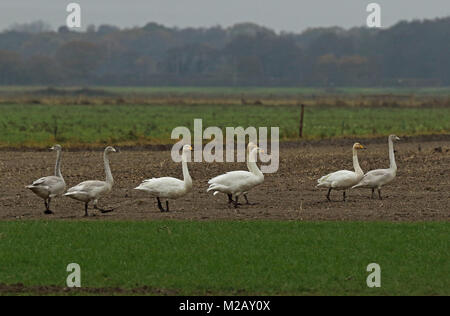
52, 186
375, 179
236, 183
88, 191
167, 187
250, 147
343, 179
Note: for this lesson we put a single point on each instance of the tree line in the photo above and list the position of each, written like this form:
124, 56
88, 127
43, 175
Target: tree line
413, 53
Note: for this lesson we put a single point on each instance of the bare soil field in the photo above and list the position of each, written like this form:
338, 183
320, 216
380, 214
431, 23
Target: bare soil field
421, 191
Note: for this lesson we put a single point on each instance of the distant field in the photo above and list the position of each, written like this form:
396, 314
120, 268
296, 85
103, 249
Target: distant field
247, 91
226, 258
37, 125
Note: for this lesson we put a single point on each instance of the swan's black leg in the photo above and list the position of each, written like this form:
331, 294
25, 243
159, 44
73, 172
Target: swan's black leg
379, 194
167, 205
246, 199
230, 199
236, 204
344, 196
47, 207
373, 193
160, 205
328, 195
86, 209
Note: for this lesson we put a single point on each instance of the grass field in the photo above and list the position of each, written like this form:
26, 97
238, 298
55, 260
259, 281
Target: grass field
275, 258
35, 125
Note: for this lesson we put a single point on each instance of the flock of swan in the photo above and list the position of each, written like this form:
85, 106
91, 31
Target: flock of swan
233, 184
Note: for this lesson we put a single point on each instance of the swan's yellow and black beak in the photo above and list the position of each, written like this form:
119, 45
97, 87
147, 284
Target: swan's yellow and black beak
362, 147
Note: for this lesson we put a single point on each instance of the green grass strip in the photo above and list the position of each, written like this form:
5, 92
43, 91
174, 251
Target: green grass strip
267, 258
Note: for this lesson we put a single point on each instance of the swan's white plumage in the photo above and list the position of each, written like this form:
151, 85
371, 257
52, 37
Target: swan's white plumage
237, 183
343, 179
168, 187
339, 180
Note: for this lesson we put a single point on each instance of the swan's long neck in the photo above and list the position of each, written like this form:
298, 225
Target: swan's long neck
251, 163
58, 164
356, 162
393, 165
186, 176
109, 177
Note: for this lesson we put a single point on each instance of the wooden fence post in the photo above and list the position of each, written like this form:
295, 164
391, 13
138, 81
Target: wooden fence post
302, 114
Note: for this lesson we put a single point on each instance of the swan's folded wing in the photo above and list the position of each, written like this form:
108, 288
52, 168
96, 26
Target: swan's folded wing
231, 178
45, 181
375, 177
340, 178
88, 186
159, 185
341, 174
49, 182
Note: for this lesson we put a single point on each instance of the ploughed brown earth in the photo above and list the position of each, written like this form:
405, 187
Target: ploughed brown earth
421, 191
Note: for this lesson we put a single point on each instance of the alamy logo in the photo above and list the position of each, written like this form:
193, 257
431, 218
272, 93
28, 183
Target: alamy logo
74, 18
213, 151
374, 278
374, 18
74, 278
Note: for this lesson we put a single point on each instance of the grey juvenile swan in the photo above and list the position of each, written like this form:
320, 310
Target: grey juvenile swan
376, 179
92, 190
52, 186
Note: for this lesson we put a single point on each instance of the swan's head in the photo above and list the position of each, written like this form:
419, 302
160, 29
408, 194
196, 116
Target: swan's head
56, 147
187, 148
394, 138
251, 146
110, 149
257, 150
358, 146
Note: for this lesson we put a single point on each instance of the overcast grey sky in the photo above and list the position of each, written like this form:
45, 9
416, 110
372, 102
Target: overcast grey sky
286, 15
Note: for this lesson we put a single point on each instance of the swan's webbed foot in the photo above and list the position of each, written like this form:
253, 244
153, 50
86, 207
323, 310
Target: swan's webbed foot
103, 211
47, 207
106, 211
379, 194
230, 199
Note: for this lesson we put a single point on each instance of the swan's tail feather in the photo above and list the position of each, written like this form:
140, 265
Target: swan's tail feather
216, 187
71, 193
359, 185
